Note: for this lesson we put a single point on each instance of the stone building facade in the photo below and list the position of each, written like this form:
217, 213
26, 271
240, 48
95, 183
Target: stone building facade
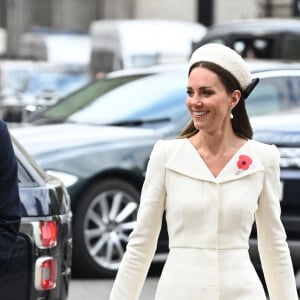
19, 16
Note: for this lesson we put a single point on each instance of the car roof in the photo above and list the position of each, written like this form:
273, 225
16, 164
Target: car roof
255, 27
147, 70
260, 65
255, 65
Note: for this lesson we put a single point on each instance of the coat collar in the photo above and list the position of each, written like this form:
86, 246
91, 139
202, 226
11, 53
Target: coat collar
187, 161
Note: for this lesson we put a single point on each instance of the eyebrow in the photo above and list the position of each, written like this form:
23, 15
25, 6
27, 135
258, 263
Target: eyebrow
202, 87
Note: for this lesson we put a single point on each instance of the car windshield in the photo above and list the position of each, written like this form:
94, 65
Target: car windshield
145, 99
125, 99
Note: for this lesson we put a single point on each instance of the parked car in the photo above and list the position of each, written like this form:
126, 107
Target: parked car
26, 85
40, 264
98, 140
283, 130
264, 38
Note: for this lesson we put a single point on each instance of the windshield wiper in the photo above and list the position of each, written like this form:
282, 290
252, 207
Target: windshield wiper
139, 122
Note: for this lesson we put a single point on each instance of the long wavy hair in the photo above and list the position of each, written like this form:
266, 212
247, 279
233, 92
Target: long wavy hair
240, 121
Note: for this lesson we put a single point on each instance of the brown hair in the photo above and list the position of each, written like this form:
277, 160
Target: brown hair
240, 122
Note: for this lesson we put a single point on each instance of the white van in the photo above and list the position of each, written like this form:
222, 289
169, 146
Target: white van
57, 48
123, 44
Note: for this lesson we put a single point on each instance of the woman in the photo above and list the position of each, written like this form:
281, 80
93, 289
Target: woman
211, 183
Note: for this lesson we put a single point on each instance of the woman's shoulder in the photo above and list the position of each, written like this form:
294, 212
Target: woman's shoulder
3, 125
260, 146
4, 133
266, 152
169, 144
166, 147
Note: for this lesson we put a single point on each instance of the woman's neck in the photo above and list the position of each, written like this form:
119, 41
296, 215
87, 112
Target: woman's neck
216, 143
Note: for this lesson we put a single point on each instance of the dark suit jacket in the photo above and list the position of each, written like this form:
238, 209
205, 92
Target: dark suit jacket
10, 210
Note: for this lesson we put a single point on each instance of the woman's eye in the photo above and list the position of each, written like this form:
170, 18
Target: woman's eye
190, 93
207, 93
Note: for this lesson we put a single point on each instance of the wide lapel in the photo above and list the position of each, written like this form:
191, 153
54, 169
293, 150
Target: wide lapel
244, 163
186, 160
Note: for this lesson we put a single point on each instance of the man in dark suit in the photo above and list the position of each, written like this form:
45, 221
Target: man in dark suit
10, 209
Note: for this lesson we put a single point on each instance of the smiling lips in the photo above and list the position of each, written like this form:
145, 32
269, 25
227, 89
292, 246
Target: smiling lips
200, 113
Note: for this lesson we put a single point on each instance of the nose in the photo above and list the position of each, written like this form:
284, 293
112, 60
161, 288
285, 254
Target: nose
196, 100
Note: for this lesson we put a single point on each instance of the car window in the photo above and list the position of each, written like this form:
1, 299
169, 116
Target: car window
248, 47
154, 97
24, 177
264, 99
253, 47
27, 164
83, 97
273, 95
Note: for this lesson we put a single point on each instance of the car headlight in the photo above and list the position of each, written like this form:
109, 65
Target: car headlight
67, 179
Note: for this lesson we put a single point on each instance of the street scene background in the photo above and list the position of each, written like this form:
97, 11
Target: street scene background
75, 16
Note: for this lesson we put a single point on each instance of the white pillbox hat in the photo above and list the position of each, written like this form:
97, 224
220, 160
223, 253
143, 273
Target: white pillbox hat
226, 58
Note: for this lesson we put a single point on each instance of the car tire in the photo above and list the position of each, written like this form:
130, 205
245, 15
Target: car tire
103, 220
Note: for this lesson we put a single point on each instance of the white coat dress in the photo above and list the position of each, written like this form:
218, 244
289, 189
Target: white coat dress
209, 221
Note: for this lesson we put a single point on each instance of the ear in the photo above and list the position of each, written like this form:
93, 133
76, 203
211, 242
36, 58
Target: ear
235, 98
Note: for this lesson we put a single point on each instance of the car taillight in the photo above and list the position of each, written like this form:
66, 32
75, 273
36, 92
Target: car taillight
48, 233
45, 273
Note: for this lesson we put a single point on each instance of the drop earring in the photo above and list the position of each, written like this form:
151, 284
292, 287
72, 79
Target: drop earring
231, 115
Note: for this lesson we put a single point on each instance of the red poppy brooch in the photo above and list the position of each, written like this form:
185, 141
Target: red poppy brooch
243, 163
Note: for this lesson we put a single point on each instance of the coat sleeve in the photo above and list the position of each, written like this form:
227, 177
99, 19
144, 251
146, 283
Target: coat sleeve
272, 245
143, 239
10, 210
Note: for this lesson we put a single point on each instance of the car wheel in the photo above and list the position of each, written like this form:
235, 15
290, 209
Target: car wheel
103, 221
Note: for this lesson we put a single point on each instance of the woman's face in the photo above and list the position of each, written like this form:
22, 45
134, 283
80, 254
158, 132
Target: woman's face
208, 101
